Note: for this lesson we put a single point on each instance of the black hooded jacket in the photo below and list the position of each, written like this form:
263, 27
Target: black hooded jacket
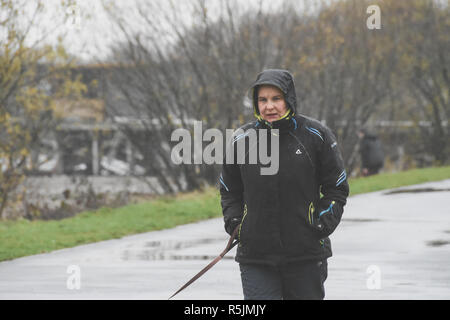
289, 215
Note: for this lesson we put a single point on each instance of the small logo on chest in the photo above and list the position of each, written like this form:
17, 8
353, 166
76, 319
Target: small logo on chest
298, 151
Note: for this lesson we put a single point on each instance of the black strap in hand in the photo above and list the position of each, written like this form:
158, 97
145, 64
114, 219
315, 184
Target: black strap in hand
231, 243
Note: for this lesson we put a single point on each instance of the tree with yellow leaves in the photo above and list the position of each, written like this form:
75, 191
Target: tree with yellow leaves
33, 75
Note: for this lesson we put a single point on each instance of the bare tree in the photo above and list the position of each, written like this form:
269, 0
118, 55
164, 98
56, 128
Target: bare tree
347, 75
343, 70
200, 74
427, 45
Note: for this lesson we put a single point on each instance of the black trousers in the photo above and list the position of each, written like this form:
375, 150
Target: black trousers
295, 281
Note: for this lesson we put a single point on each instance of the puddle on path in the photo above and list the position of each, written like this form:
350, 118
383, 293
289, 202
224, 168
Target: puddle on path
360, 220
437, 243
417, 190
164, 250
176, 244
405, 284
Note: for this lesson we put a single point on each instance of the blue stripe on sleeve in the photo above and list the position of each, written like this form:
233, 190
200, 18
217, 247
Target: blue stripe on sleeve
315, 131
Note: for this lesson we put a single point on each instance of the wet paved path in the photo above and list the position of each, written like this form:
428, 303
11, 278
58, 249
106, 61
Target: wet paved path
388, 246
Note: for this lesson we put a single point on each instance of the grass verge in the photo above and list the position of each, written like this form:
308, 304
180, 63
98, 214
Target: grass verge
22, 237
399, 179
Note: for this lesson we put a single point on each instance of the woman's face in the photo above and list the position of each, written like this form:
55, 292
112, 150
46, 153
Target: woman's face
271, 103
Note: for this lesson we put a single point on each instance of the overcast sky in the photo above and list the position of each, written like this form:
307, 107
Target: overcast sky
89, 32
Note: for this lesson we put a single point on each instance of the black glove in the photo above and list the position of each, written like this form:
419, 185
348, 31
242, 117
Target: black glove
231, 224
